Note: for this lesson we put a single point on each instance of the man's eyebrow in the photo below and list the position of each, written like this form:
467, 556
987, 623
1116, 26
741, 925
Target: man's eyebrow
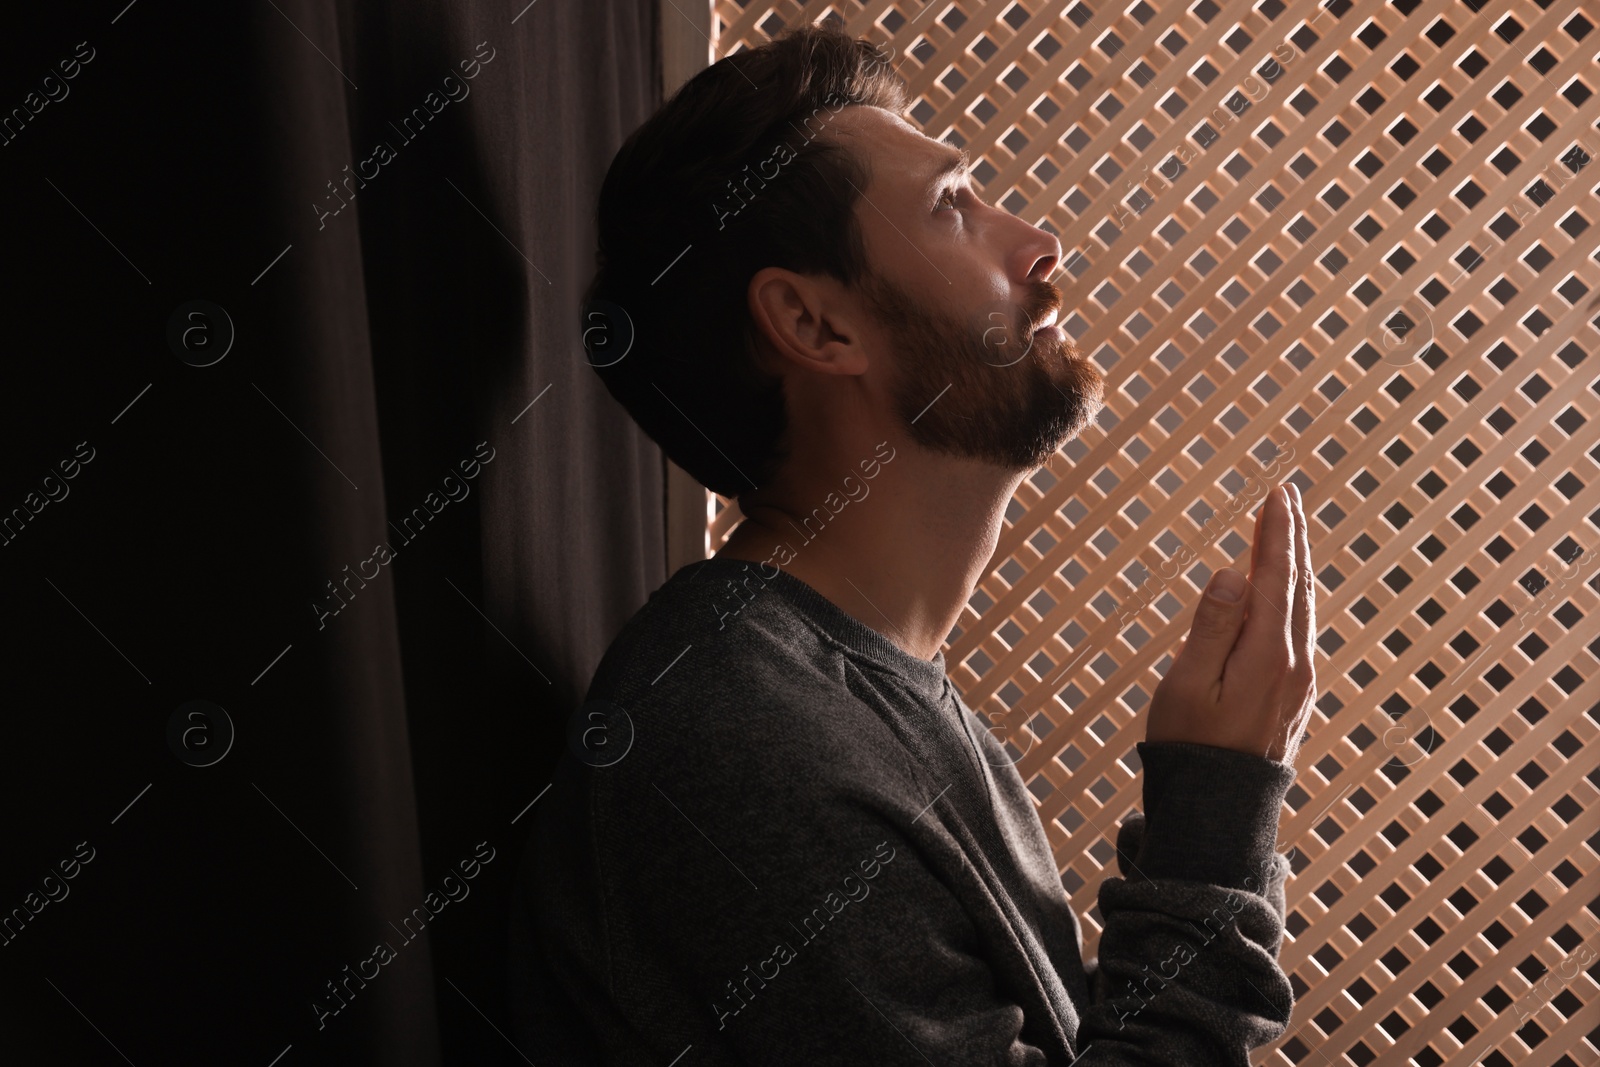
957, 163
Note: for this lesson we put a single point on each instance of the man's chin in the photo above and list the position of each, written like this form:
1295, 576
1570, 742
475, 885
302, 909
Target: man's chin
1068, 368
1081, 389
1054, 346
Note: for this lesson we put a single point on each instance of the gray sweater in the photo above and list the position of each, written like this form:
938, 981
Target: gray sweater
811, 851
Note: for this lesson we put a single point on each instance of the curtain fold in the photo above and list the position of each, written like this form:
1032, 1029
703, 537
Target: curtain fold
368, 503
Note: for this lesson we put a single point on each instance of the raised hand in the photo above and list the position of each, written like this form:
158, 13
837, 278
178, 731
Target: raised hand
1244, 678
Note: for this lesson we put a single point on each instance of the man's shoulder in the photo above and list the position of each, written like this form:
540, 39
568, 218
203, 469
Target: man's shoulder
694, 678
696, 631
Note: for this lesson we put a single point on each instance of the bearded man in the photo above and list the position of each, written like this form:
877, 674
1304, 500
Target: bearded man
783, 837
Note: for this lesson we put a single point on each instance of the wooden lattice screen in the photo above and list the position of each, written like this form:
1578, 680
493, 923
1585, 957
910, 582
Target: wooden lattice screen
1372, 274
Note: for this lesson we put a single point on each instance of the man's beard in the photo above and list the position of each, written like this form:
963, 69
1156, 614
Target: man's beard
989, 389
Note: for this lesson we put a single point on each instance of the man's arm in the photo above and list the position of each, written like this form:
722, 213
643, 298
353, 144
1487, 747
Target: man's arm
859, 932
1188, 970
854, 930
1188, 967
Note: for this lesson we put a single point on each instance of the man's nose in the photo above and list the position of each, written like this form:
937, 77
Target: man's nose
1036, 254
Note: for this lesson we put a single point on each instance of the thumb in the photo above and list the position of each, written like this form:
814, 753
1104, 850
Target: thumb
1217, 622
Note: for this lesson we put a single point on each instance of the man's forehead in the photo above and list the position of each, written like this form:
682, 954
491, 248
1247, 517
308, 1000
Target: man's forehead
869, 118
891, 143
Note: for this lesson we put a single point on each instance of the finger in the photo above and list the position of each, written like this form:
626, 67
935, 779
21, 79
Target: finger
1264, 643
1214, 632
1305, 612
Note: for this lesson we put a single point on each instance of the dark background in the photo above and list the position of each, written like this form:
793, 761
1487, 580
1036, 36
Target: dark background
366, 361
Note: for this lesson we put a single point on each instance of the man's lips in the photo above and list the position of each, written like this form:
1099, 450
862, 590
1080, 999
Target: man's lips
1047, 326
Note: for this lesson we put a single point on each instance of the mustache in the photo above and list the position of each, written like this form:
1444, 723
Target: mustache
1043, 298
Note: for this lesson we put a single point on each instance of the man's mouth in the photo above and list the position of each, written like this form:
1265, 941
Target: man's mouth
1047, 326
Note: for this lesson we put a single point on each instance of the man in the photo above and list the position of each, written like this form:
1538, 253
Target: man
781, 837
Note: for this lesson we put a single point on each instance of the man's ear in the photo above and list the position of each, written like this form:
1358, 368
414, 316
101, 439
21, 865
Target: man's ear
807, 320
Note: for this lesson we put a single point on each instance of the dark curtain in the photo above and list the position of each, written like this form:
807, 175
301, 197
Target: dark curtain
245, 348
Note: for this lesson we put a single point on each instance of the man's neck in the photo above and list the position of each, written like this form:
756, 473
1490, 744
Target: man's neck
900, 551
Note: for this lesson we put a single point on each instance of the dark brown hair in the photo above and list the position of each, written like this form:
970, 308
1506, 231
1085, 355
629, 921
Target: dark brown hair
728, 177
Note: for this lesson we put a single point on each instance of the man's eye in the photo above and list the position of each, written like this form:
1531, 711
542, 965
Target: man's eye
948, 197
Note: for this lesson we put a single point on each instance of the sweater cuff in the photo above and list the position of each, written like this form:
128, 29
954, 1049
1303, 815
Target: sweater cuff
1211, 814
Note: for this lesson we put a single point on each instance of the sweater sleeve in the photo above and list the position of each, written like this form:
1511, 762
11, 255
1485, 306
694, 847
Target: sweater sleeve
858, 913
1188, 963
846, 946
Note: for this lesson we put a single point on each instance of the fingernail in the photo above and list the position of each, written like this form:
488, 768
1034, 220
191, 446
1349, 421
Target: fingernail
1226, 586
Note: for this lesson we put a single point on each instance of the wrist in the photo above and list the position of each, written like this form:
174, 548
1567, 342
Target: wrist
1211, 813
